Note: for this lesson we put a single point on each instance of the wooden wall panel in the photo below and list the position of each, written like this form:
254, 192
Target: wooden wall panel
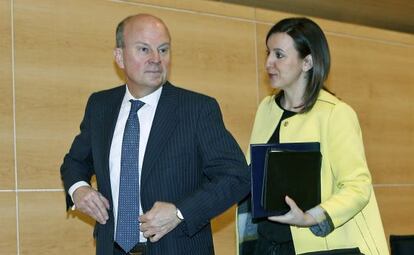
397, 207
6, 99
8, 224
202, 7
219, 63
263, 80
45, 228
64, 53
224, 232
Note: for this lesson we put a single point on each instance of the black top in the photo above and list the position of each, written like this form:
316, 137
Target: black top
274, 231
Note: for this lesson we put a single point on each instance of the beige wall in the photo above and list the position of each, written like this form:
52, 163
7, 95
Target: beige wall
53, 54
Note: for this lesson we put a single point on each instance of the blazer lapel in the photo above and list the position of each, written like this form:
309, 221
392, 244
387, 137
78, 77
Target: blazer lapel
163, 125
266, 122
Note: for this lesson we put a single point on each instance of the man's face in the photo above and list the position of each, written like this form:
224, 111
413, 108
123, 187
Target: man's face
145, 58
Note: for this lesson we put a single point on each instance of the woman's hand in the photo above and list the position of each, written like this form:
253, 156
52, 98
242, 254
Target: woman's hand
295, 216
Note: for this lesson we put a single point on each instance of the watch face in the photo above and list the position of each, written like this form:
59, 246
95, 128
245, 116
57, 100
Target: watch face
179, 215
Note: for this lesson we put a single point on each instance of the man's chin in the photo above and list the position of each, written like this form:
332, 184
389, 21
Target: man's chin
156, 83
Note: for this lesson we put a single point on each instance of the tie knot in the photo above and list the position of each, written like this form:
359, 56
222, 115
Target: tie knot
136, 105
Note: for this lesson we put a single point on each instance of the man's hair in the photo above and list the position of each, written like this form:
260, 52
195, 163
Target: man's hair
119, 34
308, 39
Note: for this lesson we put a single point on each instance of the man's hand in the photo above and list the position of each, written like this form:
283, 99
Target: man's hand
92, 203
158, 221
295, 216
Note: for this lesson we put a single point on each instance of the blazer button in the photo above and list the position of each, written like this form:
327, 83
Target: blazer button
286, 123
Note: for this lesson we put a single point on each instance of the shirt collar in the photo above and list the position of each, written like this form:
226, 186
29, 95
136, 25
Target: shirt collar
151, 99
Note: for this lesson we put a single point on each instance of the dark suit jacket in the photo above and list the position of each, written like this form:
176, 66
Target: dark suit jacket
191, 160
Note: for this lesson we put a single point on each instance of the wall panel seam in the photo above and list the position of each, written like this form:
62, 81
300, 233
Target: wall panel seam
14, 123
30, 190
388, 185
387, 42
185, 11
257, 61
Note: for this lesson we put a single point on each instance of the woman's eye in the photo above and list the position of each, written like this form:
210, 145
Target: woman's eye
278, 55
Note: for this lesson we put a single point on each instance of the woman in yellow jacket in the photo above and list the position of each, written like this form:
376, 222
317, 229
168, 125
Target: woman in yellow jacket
347, 221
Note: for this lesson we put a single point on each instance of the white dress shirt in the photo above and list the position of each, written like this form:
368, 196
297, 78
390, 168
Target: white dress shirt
146, 116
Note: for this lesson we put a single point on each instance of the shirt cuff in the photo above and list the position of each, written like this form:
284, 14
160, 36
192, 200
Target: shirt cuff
73, 188
325, 225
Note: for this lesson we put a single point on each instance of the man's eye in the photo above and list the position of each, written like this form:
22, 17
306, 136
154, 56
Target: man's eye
163, 50
143, 50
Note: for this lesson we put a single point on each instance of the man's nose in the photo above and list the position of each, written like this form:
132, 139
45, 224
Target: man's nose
155, 57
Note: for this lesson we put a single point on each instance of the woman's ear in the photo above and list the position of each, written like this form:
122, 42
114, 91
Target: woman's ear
307, 63
119, 59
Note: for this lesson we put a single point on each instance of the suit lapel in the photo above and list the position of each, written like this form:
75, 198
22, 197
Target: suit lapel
163, 125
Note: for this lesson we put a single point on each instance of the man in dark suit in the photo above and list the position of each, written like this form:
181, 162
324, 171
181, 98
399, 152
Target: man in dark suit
181, 169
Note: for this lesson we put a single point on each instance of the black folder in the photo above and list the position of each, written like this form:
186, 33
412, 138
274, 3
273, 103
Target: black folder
278, 170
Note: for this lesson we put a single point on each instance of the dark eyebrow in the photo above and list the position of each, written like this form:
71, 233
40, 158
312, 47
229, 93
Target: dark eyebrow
279, 49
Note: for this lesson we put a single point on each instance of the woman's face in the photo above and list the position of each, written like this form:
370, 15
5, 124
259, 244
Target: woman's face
284, 65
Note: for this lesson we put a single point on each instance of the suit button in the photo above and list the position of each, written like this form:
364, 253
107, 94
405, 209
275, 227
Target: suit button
286, 123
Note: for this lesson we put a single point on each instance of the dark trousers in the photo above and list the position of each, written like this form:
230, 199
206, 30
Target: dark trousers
268, 247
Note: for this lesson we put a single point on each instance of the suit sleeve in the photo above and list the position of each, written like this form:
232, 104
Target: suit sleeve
224, 166
78, 164
352, 179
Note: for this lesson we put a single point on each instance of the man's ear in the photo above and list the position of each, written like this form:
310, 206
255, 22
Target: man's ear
119, 59
307, 63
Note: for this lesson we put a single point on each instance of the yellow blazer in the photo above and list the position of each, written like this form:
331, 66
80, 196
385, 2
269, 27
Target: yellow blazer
346, 190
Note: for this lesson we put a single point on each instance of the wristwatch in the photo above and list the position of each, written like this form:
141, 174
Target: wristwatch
179, 214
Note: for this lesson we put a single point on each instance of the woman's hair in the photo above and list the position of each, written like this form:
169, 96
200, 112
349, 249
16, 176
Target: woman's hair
308, 39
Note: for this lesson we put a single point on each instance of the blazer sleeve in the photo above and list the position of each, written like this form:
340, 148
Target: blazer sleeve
352, 179
78, 164
224, 166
